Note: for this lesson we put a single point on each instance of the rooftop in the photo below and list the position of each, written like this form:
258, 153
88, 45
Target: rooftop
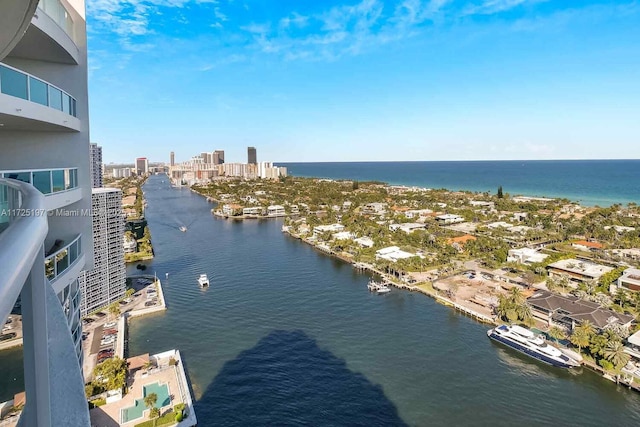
583, 268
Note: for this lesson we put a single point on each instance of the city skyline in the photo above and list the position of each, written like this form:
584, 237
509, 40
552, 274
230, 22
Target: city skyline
343, 81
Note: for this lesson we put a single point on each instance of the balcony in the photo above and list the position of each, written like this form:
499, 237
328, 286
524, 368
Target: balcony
28, 103
14, 20
60, 259
60, 186
50, 37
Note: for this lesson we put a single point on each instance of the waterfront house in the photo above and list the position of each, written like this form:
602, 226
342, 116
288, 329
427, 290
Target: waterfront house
629, 280
587, 246
343, 235
393, 254
445, 219
577, 270
569, 311
331, 228
231, 209
632, 346
526, 256
276, 210
129, 244
254, 210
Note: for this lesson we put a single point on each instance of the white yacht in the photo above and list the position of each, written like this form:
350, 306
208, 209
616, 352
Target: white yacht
526, 342
203, 280
379, 288
183, 228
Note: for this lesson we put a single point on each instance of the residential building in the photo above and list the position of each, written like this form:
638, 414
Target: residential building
105, 283
365, 241
407, 227
95, 165
122, 173
526, 256
629, 280
577, 270
276, 210
331, 228
142, 166
252, 157
449, 219
44, 167
172, 159
393, 254
587, 246
255, 210
569, 311
218, 157
231, 209
374, 209
129, 245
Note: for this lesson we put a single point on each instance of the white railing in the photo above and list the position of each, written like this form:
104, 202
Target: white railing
56, 11
47, 181
21, 239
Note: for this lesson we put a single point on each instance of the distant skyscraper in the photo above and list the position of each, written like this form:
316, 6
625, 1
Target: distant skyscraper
218, 157
252, 157
142, 166
95, 165
172, 160
105, 283
207, 157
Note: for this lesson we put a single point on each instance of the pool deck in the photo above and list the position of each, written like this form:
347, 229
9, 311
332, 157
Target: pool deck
174, 376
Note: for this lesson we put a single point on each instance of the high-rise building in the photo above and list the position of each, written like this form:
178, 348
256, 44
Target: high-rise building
218, 157
252, 157
44, 169
207, 157
95, 165
105, 283
142, 166
172, 159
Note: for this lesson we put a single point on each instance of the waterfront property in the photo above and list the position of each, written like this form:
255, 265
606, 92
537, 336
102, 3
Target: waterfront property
526, 256
165, 376
630, 279
569, 311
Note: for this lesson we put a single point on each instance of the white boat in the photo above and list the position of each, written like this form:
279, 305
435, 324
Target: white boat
203, 280
379, 288
526, 342
183, 228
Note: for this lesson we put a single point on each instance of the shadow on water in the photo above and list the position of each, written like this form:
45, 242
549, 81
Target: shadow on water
285, 380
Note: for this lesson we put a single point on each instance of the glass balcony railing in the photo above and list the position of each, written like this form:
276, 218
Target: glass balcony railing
17, 83
56, 11
9, 199
62, 258
47, 181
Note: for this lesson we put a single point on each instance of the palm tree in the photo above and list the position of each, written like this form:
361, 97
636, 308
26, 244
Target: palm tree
614, 353
516, 296
587, 328
579, 338
150, 402
504, 305
557, 333
114, 310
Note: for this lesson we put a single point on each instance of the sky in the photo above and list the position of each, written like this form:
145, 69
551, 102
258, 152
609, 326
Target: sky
365, 80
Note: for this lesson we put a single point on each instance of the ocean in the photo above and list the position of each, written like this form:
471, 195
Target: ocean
589, 182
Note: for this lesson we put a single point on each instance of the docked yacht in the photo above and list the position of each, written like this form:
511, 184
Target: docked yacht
203, 280
526, 342
379, 288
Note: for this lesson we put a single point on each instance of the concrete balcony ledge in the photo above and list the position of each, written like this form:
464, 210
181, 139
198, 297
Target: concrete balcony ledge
21, 114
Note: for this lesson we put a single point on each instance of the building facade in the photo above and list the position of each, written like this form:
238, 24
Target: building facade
252, 156
142, 166
44, 147
218, 157
105, 283
95, 165
172, 159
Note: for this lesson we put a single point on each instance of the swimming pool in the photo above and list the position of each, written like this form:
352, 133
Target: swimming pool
136, 411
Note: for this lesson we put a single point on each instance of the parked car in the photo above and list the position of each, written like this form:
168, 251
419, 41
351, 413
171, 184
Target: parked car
7, 337
105, 351
107, 341
109, 331
110, 324
87, 320
100, 314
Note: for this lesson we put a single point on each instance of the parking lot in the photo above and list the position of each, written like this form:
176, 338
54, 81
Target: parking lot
100, 330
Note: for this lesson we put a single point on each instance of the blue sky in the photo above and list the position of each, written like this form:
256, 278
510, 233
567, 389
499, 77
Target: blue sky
352, 80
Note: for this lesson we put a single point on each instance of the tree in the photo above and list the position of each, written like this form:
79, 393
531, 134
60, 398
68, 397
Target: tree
580, 339
114, 310
112, 373
614, 353
129, 293
500, 194
557, 333
150, 401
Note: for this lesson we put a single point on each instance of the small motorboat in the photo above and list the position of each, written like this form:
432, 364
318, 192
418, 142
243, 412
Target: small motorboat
203, 280
183, 228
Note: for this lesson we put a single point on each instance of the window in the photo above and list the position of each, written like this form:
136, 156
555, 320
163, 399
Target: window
13, 83
58, 180
38, 91
42, 181
55, 98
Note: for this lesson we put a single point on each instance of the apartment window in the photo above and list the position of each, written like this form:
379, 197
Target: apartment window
58, 180
38, 91
13, 83
66, 103
55, 98
20, 176
42, 181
